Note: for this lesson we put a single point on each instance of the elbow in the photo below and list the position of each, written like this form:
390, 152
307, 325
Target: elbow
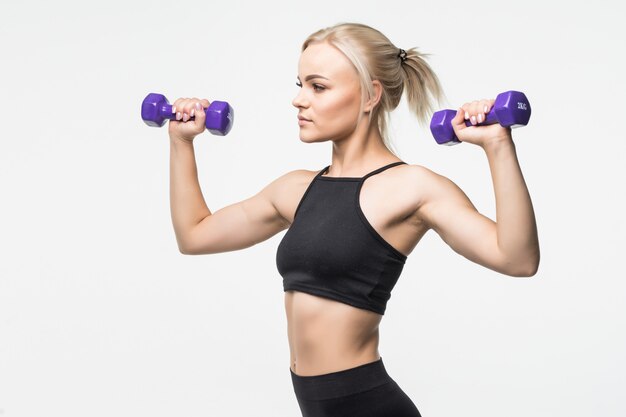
194, 250
533, 269
183, 251
528, 272
533, 265
182, 244
185, 246
188, 252
526, 269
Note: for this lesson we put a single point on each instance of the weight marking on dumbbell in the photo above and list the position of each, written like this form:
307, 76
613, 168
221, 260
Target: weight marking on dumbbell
521, 106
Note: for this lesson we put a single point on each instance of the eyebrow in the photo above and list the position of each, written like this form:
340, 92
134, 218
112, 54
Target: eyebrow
310, 77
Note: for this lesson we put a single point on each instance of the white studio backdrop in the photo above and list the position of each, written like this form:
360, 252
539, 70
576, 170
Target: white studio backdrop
100, 315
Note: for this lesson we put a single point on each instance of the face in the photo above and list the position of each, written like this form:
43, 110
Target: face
329, 96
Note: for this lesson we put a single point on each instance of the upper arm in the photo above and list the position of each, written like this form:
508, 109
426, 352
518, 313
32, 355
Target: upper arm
449, 212
239, 225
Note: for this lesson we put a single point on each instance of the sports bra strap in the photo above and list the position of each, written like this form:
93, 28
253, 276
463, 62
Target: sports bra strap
376, 171
323, 171
381, 169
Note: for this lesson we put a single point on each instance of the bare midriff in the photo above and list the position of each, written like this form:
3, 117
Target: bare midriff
329, 336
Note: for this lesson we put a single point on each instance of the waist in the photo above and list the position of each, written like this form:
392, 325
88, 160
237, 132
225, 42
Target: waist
340, 383
320, 325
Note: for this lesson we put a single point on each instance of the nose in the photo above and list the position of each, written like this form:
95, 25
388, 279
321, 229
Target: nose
299, 100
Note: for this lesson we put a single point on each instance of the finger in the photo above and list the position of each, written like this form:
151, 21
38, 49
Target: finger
175, 104
179, 108
483, 106
472, 110
465, 108
190, 107
478, 108
489, 104
195, 104
458, 121
200, 115
187, 109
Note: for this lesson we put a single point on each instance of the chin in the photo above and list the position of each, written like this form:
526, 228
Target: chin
310, 138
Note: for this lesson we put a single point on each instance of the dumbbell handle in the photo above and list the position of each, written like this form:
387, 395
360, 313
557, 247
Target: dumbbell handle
490, 119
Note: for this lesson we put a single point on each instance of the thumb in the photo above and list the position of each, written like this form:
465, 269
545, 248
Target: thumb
458, 122
459, 117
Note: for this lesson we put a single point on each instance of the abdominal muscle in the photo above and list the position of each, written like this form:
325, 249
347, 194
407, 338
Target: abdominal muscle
328, 336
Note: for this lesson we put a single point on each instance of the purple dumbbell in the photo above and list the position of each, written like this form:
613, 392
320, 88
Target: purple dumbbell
511, 109
155, 110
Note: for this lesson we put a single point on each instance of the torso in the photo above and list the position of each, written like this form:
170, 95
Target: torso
326, 335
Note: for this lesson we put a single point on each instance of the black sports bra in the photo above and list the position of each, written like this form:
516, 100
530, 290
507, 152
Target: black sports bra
332, 251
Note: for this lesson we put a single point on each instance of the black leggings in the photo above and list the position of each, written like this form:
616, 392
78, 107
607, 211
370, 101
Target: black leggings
364, 391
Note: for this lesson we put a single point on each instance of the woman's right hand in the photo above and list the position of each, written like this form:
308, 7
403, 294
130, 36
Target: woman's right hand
185, 108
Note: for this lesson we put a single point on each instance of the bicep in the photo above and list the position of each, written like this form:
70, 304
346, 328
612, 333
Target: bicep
450, 213
237, 226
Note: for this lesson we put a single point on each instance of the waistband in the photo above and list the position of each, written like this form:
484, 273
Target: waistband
341, 383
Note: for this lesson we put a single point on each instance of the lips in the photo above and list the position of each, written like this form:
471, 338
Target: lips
303, 118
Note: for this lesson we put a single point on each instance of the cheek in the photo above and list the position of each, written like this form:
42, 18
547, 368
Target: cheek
339, 110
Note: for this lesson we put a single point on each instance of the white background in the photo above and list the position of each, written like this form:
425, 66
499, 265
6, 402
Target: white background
100, 315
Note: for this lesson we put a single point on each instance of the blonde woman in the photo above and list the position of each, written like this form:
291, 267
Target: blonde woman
352, 225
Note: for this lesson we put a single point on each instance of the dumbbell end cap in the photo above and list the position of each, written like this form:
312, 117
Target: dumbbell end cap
220, 118
441, 127
512, 108
150, 109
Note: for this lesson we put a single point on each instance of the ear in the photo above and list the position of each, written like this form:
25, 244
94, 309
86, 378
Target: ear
373, 101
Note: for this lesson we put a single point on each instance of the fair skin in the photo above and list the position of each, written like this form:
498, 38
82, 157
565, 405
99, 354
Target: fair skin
402, 203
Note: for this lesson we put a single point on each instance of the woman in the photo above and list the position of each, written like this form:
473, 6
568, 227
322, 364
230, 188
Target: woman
353, 224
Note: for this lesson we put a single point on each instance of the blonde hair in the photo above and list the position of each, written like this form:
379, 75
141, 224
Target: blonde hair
376, 58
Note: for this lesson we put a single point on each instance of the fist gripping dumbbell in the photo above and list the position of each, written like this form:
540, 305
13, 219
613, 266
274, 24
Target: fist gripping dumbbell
511, 109
155, 110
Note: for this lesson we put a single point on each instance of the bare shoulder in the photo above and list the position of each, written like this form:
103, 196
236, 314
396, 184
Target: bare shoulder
295, 176
286, 191
421, 173
423, 188
436, 191
416, 181
428, 181
291, 179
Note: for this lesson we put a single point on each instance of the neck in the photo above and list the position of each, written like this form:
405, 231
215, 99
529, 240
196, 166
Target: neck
359, 153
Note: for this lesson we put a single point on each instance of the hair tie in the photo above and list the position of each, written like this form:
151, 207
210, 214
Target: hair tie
402, 55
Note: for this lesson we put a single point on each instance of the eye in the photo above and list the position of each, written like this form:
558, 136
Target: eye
316, 87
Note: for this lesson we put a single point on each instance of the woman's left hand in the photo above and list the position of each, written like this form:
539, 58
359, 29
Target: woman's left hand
478, 135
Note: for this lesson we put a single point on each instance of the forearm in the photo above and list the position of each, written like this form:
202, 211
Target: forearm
187, 204
515, 217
